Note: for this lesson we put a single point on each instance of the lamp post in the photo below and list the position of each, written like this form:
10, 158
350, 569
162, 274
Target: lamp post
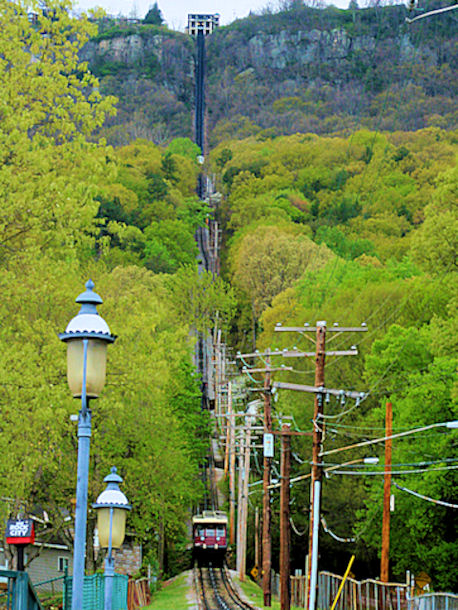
87, 336
111, 507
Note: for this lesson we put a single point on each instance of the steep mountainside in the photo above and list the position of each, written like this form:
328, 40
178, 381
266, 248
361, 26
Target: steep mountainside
299, 70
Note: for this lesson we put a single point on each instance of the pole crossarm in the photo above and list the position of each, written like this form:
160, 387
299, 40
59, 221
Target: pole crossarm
283, 385
267, 370
313, 329
291, 433
298, 354
258, 354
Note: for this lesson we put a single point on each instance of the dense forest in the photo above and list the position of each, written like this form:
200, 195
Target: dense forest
339, 202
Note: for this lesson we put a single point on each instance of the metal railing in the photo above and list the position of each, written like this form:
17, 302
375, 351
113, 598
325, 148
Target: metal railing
433, 601
20, 593
51, 586
361, 595
369, 595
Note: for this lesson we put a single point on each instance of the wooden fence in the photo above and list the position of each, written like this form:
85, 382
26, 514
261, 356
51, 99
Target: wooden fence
138, 594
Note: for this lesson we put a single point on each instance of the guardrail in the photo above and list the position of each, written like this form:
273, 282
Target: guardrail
433, 601
369, 595
20, 593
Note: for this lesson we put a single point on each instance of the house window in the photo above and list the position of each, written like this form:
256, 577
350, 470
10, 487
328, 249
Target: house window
62, 564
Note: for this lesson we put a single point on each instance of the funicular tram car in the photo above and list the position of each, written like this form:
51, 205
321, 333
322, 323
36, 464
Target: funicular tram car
209, 531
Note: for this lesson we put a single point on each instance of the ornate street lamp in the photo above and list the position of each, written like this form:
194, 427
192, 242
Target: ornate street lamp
111, 507
87, 336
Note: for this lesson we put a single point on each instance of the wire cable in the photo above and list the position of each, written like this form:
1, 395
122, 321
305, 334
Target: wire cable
294, 528
338, 538
422, 497
393, 472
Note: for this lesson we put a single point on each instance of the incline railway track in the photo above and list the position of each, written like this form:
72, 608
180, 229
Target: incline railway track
216, 591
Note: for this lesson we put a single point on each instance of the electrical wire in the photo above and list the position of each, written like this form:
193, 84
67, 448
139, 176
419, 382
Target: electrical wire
444, 9
399, 465
393, 472
338, 538
297, 458
414, 493
294, 528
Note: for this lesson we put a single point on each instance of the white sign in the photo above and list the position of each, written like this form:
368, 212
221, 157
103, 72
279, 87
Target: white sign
268, 445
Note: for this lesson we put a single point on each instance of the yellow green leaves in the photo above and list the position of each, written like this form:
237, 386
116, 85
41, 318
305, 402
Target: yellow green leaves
269, 259
49, 106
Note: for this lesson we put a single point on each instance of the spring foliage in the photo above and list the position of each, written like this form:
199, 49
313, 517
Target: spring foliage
352, 230
72, 208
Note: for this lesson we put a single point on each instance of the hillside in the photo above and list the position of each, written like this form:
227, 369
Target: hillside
344, 227
303, 69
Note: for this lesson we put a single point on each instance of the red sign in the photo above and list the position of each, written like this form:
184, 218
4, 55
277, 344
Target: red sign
20, 531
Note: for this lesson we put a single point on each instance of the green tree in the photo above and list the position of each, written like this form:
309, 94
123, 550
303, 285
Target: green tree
168, 245
154, 15
201, 300
422, 388
435, 245
269, 259
50, 105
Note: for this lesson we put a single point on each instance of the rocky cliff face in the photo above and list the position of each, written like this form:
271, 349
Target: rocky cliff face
287, 72
133, 49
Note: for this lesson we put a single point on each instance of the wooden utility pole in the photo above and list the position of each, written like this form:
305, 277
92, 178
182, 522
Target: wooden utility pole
238, 561
317, 434
231, 468
266, 510
320, 391
285, 468
267, 461
384, 564
228, 448
244, 475
256, 537
246, 478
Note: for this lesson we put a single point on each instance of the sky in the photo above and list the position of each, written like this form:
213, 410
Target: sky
175, 12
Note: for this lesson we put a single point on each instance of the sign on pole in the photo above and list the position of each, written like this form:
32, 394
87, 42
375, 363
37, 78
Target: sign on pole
268, 445
20, 531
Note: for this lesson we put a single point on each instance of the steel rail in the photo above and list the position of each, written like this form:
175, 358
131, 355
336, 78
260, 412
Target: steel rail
217, 591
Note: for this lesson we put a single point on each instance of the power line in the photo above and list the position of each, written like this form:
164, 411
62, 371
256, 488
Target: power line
414, 493
393, 472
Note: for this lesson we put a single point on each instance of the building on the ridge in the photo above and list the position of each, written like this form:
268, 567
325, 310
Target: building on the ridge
202, 23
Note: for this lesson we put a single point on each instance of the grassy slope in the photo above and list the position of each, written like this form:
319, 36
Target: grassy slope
172, 596
254, 594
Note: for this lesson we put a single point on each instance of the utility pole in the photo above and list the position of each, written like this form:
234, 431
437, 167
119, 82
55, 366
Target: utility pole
315, 489
285, 468
266, 510
244, 517
384, 564
320, 391
238, 561
231, 469
256, 537
228, 448
244, 475
267, 461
